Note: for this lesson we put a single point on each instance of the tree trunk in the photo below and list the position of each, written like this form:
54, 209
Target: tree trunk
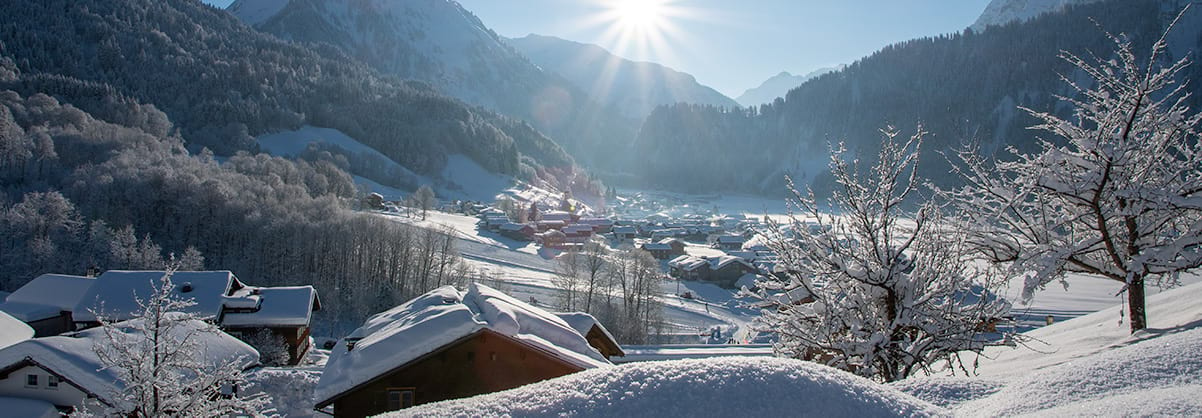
1135, 301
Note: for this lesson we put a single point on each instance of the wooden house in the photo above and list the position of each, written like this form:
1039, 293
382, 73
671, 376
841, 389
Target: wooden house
597, 336
287, 312
520, 232
665, 249
729, 242
448, 344
724, 271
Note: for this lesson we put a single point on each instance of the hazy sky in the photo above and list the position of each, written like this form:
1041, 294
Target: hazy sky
730, 45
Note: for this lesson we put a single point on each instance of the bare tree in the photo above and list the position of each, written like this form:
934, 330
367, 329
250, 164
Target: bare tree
870, 287
568, 269
425, 199
1115, 193
595, 260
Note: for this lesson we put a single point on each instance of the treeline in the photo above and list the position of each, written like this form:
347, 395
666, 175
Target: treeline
962, 87
222, 82
620, 288
79, 192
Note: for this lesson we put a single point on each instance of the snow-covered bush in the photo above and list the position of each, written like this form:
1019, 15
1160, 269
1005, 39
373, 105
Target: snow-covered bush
273, 349
870, 287
1115, 192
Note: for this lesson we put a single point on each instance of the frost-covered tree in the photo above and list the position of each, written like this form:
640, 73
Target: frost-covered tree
425, 200
161, 360
1115, 191
273, 349
870, 287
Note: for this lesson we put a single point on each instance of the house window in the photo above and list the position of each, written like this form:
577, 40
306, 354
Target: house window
31, 380
52, 382
399, 398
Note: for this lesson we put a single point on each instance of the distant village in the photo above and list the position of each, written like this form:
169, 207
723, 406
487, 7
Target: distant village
449, 343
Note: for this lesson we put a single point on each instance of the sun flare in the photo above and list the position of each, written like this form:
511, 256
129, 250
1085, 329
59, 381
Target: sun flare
639, 14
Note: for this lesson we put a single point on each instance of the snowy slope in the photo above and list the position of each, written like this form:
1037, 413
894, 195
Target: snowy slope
714, 387
1000, 12
634, 88
256, 11
778, 85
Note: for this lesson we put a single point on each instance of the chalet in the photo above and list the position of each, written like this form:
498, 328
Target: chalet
46, 303
578, 231
219, 298
597, 336
668, 233
449, 344
544, 226
520, 232
665, 249
729, 242
285, 311
65, 370
625, 233
724, 271
493, 222
600, 225
552, 239
559, 215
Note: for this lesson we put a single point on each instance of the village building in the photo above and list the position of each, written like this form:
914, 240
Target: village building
578, 231
599, 225
449, 344
665, 249
729, 242
626, 233
544, 226
65, 371
46, 303
520, 232
724, 271
219, 298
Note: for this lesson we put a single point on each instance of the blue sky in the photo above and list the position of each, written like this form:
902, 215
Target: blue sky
734, 45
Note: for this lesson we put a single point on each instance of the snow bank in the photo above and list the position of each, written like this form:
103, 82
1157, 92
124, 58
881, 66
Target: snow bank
291, 389
715, 387
1163, 374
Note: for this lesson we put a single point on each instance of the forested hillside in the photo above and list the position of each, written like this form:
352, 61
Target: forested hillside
222, 82
961, 87
440, 43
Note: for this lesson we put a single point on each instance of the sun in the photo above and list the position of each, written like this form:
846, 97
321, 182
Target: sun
641, 15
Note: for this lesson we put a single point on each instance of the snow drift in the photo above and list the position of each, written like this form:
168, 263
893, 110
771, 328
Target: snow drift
712, 387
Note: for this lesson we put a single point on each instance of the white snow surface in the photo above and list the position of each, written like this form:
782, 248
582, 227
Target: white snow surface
713, 387
1000, 12
27, 408
395, 337
46, 296
116, 292
13, 331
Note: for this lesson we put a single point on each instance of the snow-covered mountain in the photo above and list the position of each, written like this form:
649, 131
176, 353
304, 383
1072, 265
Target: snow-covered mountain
778, 85
634, 88
444, 45
1000, 12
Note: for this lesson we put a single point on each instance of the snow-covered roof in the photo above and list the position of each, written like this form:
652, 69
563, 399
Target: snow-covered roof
655, 246
46, 296
556, 215
72, 357
687, 262
583, 323
13, 331
275, 307
115, 292
731, 239
626, 230
27, 408
394, 338
718, 263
